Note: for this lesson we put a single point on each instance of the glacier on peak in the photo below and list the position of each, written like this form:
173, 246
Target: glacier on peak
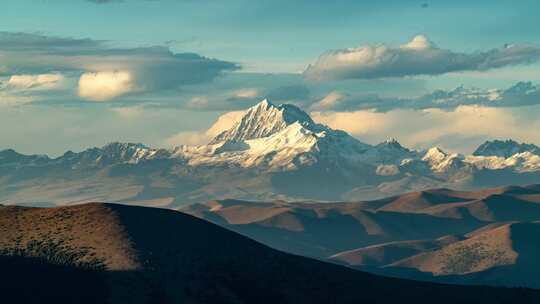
264, 119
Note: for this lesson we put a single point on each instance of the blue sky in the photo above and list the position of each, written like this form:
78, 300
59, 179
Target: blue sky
199, 59
288, 34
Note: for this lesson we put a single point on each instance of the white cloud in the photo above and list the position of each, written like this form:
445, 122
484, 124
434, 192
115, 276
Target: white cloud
246, 93
419, 42
37, 82
24, 89
224, 122
419, 56
357, 123
103, 86
452, 129
148, 69
190, 138
464, 121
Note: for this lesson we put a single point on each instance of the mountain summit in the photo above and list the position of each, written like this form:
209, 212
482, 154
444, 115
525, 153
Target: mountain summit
274, 137
505, 148
270, 152
262, 120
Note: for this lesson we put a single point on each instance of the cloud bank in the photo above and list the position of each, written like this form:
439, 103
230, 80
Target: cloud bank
130, 70
459, 129
519, 95
419, 56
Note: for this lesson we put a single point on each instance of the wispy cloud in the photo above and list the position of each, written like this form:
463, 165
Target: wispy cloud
36, 82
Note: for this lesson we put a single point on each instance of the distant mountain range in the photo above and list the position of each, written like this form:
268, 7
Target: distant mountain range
280, 178
485, 237
108, 253
271, 152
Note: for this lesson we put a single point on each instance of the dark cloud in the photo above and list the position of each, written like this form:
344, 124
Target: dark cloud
132, 69
418, 57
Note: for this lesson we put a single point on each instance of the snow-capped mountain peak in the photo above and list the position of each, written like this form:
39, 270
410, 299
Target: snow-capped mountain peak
505, 148
276, 137
389, 151
279, 151
441, 161
110, 153
129, 152
435, 153
262, 120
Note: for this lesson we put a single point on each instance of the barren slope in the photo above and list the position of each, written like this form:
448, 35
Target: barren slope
180, 259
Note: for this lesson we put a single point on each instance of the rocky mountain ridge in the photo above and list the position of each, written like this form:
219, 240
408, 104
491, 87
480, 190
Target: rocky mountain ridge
271, 152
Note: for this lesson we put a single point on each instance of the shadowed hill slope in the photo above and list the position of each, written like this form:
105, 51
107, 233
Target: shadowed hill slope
417, 234
150, 255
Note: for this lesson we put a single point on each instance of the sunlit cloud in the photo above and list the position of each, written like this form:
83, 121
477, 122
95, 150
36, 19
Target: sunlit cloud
246, 93
452, 129
102, 86
37, 82
147, 69
224, 122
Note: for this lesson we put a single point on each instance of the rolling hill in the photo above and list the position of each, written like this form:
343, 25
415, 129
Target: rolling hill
126, 254
438, 234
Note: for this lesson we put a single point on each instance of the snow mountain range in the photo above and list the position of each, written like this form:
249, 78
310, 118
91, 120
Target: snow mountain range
271, 152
